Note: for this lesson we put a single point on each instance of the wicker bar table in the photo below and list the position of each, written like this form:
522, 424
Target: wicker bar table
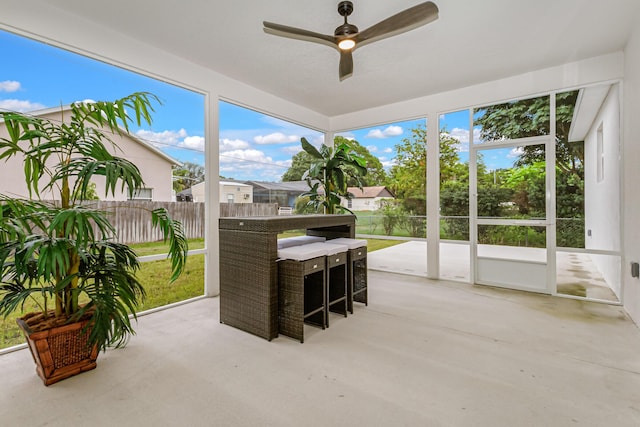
248, 270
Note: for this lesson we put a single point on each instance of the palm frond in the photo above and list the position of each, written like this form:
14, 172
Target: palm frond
172, 232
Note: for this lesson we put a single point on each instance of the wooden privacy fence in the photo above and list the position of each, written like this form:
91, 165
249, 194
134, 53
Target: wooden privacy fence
132, 219
248, 209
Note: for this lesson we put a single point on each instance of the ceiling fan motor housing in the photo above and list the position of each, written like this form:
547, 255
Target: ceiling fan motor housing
344, 9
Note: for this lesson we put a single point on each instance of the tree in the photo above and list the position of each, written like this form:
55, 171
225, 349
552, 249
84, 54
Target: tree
187, 175
327, 175
392, 215
375, 171
530, 117
408, 176
300, 163
376, 175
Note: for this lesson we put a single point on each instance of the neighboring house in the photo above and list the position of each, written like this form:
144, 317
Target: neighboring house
185, 195
155, 166
367, 199
282, 193
230, 192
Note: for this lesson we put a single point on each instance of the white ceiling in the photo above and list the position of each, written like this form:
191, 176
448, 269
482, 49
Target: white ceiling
473, 41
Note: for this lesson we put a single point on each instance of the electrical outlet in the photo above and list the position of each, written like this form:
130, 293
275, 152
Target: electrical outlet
635, 269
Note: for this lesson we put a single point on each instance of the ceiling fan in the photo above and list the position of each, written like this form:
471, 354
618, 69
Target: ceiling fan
348, 38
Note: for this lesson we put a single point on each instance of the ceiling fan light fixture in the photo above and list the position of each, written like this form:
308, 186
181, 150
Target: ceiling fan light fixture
346, 44
347, 37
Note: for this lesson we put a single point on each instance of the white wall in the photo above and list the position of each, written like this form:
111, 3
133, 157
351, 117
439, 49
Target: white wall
631, 160
240, 193
364, 203
602, 196
155, 169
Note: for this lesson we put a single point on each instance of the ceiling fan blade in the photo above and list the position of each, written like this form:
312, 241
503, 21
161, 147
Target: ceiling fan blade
299, 34
346, 64
406, 20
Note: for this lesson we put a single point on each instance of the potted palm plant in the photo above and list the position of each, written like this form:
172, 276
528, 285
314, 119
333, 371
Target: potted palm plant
64, 254
328, 175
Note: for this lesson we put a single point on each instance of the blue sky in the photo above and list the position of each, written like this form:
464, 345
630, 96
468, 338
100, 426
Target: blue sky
253, 146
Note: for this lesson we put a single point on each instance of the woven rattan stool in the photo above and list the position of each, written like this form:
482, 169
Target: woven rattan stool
302, 294
336, 276
356, 270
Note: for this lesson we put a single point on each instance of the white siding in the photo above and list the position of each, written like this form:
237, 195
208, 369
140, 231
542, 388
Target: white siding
631, 159
602, 193
156, 170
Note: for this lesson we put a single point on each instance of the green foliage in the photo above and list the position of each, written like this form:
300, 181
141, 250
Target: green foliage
392, 215
61, 250
328, 174
90, 194
408, 176
302, 206
375, 171
302, 161
187, 175
530, 117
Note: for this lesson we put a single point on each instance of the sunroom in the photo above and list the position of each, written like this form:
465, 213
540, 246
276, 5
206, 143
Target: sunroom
461, 343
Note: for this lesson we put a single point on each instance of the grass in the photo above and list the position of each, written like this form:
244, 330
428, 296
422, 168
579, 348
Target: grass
153, 275
155, 248
155, 278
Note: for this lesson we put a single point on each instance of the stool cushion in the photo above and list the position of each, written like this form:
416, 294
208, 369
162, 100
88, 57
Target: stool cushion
330, 249
333, 249
303, 252
350, 243
288, 242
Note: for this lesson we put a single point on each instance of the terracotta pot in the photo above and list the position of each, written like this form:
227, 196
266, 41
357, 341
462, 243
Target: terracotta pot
60, 352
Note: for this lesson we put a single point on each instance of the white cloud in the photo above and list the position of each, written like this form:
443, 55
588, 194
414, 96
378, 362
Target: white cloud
276, 138
252, 164
462, 135
9, 86
347, 135
515, 153
372, 148
19, 105
172, 138
388, 132
167, 137
292, 150
388, 163
232, 144
194, 143
388, 150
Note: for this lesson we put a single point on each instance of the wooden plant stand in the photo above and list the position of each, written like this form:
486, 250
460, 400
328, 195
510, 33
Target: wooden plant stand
60, 352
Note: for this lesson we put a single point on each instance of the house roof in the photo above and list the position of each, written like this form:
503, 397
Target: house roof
146, 144
234, 183
291, 186
508, 37
370, 192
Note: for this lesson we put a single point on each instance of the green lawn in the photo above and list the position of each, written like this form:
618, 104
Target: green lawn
155, 278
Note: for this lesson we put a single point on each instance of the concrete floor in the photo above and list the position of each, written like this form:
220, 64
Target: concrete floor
423, 353
576, 273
